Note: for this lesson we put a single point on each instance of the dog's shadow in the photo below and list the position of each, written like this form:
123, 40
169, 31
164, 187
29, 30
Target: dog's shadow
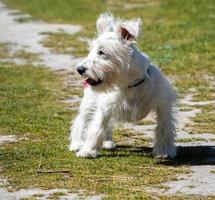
186, 155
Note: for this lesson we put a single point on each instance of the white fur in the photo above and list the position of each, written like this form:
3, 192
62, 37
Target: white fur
122, 65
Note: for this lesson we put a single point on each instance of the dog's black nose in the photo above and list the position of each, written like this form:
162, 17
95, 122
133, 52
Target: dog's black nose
81, 70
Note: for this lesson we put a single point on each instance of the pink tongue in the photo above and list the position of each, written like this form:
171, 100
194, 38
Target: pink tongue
85, 84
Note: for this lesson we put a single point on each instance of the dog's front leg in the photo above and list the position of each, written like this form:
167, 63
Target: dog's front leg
82, 121
108, 141
77, 131
95, 135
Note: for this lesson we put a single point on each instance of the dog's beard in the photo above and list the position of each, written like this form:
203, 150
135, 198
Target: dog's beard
101, 77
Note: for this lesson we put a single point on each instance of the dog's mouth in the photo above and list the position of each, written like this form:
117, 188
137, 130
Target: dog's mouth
92, 82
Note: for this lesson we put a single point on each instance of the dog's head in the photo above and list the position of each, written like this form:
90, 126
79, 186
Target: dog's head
108, 62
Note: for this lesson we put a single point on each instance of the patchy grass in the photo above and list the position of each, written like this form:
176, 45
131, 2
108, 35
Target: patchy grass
185, 108
7, 56
4, 51
31, 107
145, 122
191, 139
66, 44
127, 136
206, 94
24, 19
179, 37
56, 195
29, 57
204, 121
187, 197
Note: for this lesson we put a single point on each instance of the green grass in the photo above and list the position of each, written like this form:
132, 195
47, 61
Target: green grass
191, 140
178, 35
27, 102
75, 11
145, 122
204, 121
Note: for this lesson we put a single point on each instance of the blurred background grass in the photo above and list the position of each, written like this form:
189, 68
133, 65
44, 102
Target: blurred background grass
177, 34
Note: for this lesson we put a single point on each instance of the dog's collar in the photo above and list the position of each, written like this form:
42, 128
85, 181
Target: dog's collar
138, 81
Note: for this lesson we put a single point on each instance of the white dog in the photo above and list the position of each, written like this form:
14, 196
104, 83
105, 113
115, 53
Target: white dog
121, 84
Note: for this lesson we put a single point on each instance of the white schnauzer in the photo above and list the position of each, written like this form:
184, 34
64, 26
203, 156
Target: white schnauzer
121, 84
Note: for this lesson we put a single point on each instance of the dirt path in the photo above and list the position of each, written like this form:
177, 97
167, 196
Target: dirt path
28, 36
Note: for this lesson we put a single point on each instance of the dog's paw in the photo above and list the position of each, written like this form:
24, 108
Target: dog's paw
75, 146
87, 153
164, 152
108, 145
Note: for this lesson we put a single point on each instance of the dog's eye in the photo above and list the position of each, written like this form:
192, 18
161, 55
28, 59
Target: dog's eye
101, 52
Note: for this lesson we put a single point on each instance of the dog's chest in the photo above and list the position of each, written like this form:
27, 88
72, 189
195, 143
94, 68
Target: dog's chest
130, 107
136, 108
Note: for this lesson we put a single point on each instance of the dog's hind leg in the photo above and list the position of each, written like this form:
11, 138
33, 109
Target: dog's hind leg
165, 132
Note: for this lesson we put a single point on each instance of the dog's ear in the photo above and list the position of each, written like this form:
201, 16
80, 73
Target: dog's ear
130, 30
105, 23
